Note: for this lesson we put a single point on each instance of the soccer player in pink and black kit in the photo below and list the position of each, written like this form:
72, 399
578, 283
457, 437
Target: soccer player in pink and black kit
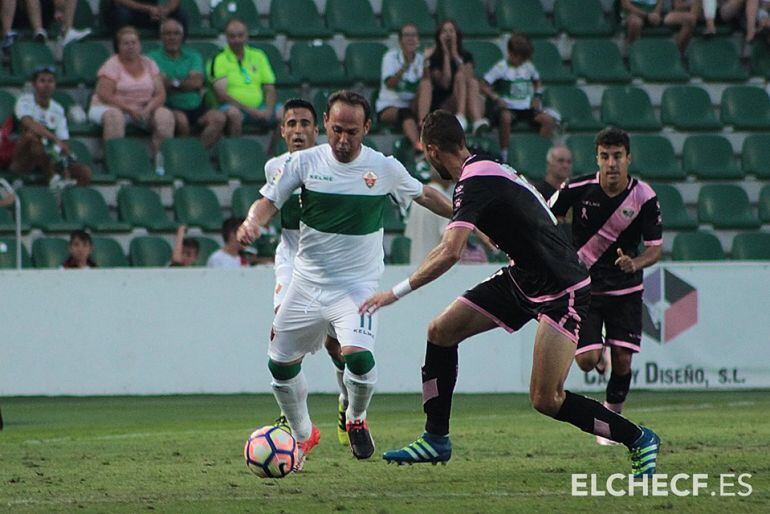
611, 214
545, 281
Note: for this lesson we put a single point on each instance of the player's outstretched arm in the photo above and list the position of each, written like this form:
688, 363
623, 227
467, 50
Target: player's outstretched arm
436, 263
260, 213
435, 201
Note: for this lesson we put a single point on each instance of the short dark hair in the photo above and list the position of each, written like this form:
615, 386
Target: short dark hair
229, 226
235, 19
351, 98
519, 44
80, 235
442, 129
405, 25
299, 103
612, 136
43, 69
189, 242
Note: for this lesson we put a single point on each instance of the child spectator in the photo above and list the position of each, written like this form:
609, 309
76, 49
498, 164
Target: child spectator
80, 249
186, 249
229, 256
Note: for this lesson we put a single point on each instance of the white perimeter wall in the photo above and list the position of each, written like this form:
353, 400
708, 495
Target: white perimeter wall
164, 331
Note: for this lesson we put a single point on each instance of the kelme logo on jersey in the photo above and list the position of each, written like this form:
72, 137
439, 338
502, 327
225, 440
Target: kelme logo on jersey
670, 306
370, 179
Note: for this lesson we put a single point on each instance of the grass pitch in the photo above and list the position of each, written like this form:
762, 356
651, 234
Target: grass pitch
184, 454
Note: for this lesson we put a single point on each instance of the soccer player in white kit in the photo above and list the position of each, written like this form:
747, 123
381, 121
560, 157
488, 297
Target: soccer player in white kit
299, 129
345, 188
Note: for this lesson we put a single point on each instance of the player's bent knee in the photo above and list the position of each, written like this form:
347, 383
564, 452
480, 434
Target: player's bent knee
284, 371
360, 363
586, 361
546, 403
438, 335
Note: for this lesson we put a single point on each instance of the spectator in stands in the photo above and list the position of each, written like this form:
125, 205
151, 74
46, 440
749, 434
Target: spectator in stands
729, 10
243, 81
141, 13
558, 170
401, 73
638, 13
42, 145
8, 17
448, 80
186, 249
229, 256
183, 77
513, 84
129, 89
80, 248
40, 14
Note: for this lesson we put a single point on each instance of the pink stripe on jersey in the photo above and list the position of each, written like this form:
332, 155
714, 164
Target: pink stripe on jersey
620, 292
572, 185
549, 297
489, 315
461, 224
656, 242
590, 252
486, 169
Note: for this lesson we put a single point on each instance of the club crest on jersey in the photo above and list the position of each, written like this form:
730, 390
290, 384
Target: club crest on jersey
628, 212
370, 179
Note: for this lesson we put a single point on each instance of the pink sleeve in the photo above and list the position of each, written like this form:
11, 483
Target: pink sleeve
152, 66
110, 69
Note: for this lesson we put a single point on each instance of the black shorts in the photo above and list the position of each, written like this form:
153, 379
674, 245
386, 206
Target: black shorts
519, 115
193, 115
621, 317
501, 300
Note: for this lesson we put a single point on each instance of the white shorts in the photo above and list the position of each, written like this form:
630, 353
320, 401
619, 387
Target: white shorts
308, 313
283, 274
96, 112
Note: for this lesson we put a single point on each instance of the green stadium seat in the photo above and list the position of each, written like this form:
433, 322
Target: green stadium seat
697, 246
283, 77
108, 253
547, 60
526, 154
83, 154
195, 25
86, 18
657, 60
485, 55
8, 254
362, 60
574, 107
82, 61
581, 18
764, 204
397, 13
688, 108
197, 206
400, 249
760, 59
245, 10
149, 252
725, 206
242, 198
49, 252
243, 159
753, 246
40, 209
470, 15
8, 221
672, 209
710, 157
186, 158
483, 144
206, 246
393, 221
599, 60
523, 16
28, 55
354, 19
403, 151
317, 64
583, 154
87, 206
628, 108
746, 108
141, 207
715, 60
7, 104
128, 159
755, 156
298, 19
207, 49
653, 158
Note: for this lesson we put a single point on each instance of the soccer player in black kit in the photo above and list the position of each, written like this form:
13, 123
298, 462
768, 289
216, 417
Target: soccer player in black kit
545, 281
611, 214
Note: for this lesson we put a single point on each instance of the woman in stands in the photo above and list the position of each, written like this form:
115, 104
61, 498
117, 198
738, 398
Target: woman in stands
129, 90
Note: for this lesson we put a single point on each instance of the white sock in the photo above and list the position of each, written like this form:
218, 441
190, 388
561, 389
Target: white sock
291, 396
360, 390
341, 383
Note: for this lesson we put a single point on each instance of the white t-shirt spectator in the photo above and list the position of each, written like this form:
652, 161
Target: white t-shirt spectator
53, 118
515, 85
222, 259
406, 89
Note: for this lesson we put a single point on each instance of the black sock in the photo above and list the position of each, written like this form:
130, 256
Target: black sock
617, 388
593, 417
439, 376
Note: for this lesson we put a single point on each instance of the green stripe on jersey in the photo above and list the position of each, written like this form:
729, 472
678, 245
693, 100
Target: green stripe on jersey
290, 213
352, 215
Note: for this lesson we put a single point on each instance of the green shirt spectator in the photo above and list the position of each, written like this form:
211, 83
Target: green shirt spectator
177, 69
246, 77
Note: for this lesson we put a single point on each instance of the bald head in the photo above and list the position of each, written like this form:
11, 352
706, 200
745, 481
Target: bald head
558, 165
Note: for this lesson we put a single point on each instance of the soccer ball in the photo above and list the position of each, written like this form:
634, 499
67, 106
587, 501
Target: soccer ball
271, 452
